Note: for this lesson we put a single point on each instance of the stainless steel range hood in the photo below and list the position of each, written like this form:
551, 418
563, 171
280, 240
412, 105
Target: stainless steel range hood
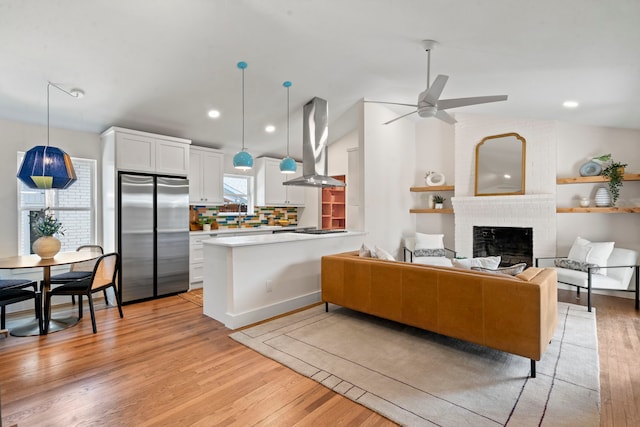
315, 134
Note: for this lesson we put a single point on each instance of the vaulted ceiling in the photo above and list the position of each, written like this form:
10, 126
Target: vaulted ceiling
160, 65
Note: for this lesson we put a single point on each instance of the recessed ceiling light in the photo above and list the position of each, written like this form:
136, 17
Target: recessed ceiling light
214, 114
270, 129
570, 104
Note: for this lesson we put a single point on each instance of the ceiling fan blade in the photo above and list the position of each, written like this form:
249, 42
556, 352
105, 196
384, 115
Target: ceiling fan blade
393, 103
444, 116
444, 104
432, 94
398, 118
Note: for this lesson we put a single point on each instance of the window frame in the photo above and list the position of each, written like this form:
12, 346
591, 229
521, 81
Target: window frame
50, 196
250, 195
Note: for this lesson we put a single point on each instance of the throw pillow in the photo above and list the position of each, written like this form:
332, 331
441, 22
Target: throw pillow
429, 252
491, 262
598, 252
382, 254
429, 241
576, 265
512, 270
364, 251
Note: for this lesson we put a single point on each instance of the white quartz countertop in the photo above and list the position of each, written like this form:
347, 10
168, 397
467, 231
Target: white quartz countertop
268, 239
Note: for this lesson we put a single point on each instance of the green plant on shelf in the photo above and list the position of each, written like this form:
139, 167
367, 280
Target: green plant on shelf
614, 172
438, 199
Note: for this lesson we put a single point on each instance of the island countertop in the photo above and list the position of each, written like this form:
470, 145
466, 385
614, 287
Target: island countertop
267, 239
248, 279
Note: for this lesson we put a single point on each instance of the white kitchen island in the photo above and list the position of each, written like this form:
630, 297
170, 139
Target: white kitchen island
252, 278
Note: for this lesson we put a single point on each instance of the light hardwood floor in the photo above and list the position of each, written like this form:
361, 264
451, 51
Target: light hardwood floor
166, 364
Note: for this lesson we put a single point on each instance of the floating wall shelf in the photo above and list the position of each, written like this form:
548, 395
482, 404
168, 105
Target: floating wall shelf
587, 179
432, 188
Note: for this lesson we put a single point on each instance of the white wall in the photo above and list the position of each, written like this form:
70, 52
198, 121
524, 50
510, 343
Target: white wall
17, 136
435, 151
389, 164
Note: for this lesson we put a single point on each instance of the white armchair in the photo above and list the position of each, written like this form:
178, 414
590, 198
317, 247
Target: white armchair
410, 248
621, 265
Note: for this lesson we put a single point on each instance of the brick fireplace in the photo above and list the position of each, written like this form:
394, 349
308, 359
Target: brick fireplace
536, 211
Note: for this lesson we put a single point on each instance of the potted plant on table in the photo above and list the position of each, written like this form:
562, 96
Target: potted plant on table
438, 200
46, 227
614, 172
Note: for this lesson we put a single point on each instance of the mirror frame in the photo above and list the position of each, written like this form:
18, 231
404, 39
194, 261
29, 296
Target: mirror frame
523, 148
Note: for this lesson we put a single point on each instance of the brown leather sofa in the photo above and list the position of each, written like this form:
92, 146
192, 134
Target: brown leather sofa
516, 314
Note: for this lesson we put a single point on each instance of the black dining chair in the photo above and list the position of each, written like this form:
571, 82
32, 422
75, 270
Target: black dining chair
103, 277
78, 271
14, 291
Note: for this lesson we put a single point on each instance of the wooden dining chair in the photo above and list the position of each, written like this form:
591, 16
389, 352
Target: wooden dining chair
14, 291
78, 271
103, 277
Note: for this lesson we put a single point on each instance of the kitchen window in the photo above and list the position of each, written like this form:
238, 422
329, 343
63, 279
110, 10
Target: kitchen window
74, 207
238, 195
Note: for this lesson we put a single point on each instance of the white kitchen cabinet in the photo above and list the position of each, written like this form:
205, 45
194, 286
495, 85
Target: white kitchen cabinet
137, 151
206, 176
270, 190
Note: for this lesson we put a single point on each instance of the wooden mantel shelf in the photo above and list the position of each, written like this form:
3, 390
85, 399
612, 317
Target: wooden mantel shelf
630, 209
432, 188
599, 178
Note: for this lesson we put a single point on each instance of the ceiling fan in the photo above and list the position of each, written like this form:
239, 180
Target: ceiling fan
429, 102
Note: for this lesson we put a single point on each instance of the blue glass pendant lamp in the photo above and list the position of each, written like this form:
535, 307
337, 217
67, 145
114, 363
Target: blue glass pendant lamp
287, 165
242, 160
48, 167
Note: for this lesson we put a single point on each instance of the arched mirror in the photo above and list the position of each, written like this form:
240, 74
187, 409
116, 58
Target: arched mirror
500, 165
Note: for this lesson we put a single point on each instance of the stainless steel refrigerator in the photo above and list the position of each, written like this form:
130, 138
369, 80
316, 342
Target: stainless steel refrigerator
153, 235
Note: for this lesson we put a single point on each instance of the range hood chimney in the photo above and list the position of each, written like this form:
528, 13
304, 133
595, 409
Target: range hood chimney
315, 134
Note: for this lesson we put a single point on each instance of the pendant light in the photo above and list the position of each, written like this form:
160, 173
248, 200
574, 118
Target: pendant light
48, 167
288, 165
242, 160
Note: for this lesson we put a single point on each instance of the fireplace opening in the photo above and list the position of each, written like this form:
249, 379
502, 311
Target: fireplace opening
513, 244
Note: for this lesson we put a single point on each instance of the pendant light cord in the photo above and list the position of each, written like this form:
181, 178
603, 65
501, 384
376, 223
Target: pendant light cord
288, 121
243, 109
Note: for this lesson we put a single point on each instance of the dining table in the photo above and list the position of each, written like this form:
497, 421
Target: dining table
34, 261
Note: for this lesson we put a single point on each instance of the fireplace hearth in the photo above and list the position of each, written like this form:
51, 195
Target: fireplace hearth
513, 244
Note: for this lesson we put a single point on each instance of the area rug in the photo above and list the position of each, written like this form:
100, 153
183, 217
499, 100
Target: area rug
415, 377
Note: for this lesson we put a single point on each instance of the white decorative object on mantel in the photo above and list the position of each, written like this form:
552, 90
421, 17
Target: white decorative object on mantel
603, 197
434, 178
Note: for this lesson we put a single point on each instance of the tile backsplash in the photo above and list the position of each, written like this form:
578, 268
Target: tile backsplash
261, 216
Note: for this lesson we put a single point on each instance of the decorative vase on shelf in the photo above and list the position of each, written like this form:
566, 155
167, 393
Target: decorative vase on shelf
603, 197
590, 168
434, 178
584, 202
439, 205
46, 247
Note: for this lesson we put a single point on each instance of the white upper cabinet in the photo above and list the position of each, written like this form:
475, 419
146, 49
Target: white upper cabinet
147, 152
206, 176
269, 188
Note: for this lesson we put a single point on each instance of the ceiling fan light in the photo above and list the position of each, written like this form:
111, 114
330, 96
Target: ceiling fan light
243, 160
288, 165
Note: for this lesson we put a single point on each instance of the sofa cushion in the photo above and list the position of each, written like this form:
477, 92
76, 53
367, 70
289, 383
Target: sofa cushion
364, 251
576, 265
429, 252
589, 252
491, 262
510, 271
382, 254
429, 241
